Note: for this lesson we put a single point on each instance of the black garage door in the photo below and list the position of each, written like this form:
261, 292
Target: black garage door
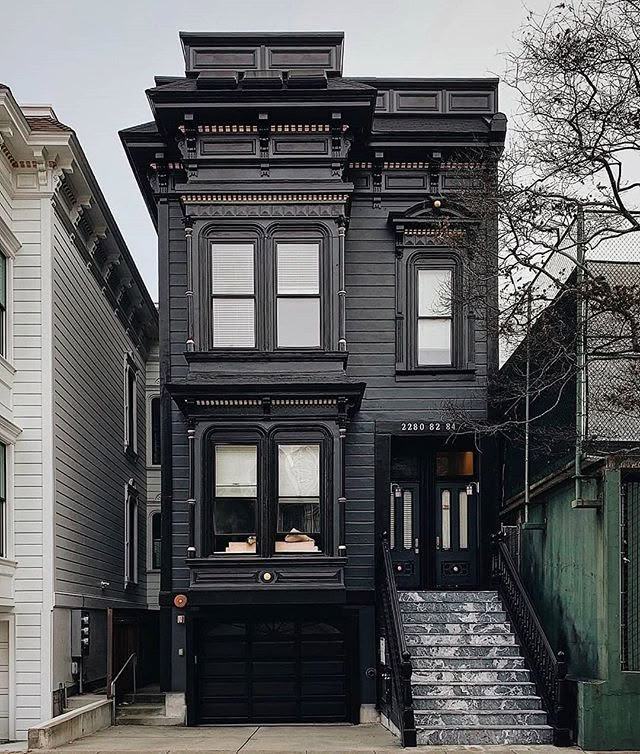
271, 669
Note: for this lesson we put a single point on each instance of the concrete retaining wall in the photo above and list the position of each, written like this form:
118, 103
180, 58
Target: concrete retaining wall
72, 725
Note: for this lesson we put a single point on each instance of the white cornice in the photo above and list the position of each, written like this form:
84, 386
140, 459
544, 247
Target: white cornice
9, 243
9, 432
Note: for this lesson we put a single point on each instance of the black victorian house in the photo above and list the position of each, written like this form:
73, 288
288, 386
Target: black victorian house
315, 342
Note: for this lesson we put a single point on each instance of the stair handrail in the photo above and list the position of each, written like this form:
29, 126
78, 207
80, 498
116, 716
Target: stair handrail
133, 660
399, 678
549, 669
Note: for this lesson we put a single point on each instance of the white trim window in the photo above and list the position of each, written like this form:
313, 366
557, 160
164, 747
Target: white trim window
131, 509
4, 518
155, 541
130, 406
153, 431
4, 292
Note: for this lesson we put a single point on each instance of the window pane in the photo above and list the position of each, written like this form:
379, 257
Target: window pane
232, 268
300, 514
298, 470
3, 471
233, 323
3, 281
156, 542
434, 293
155, 431
298, 322
298, 268
236, 470
434, 341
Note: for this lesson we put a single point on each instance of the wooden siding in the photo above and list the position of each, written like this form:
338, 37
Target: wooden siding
371, 300
92, 469
153, 477
29, 544
371, 342
178, 337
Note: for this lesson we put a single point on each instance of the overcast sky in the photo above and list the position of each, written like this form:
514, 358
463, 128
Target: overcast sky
93, 59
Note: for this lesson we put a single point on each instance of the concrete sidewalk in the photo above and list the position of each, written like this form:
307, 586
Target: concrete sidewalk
289, 739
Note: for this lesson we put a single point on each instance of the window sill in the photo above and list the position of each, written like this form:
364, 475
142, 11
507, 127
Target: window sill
6, 364
310, 354
420, 373
257, 575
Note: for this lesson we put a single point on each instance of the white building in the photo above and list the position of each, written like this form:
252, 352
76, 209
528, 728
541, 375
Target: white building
76, 329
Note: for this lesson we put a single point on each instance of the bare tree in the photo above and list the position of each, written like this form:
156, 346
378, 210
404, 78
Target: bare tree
568, 183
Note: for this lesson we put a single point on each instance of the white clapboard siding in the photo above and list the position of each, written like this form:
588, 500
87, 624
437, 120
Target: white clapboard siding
30, 224
4, 680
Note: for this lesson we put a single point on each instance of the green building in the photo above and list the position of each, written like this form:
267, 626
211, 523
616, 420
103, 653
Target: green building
571, 492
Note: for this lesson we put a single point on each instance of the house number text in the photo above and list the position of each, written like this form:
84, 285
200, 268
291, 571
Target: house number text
428, 426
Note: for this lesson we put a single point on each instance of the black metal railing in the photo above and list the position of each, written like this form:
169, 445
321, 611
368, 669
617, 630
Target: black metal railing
395, 679
548, 668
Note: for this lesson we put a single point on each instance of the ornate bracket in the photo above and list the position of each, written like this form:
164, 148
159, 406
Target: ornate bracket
263, 138
378, 165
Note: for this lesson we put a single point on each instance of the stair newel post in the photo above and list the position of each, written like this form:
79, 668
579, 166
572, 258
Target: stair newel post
408, 718
562, 732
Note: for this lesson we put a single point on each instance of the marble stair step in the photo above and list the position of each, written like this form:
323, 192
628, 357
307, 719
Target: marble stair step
484, 596
515, 735
455, 651
432, 618
469, 703
450, 607
460, 688
467, 639
468, 663
415, 623
481, 718
470, 676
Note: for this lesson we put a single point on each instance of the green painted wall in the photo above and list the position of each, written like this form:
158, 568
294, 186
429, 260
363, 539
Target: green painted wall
571, 567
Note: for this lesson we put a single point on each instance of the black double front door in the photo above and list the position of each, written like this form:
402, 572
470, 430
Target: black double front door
433, 523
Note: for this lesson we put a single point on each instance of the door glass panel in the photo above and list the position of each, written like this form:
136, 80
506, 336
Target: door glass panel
445, 502
407, 515
454, 463
392, 518
463, 513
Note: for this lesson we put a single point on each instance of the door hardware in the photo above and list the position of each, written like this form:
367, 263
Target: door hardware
438, 542
416, 545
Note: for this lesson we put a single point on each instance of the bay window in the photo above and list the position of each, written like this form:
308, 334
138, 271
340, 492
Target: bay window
266, 497
266, 293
